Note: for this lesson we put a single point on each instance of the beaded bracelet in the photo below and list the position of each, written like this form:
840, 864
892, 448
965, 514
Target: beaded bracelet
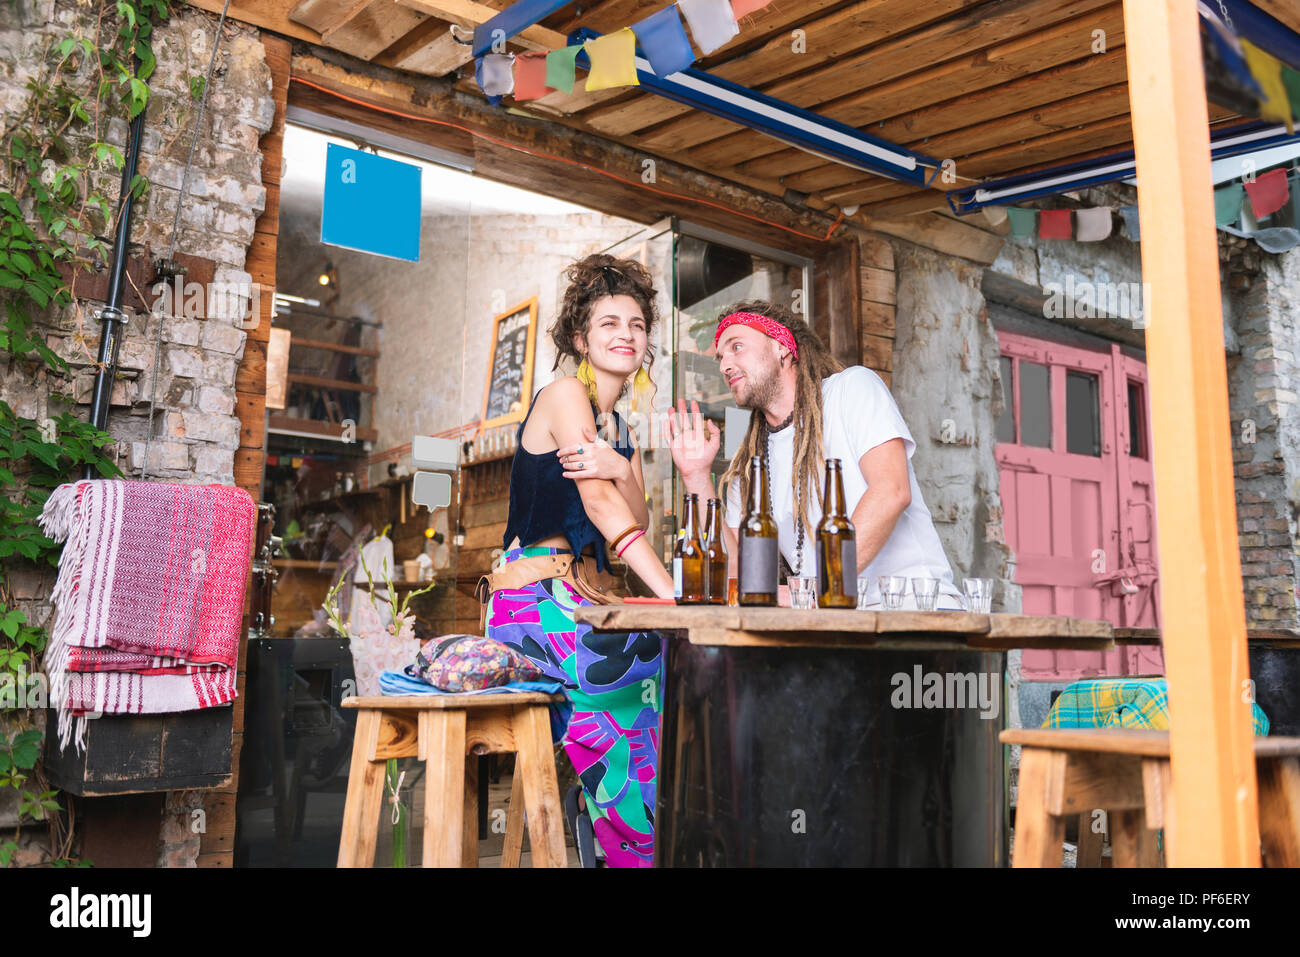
628, 544
627, 531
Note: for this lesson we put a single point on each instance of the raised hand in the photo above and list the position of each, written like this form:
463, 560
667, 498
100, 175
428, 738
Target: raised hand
594, 458
694, 447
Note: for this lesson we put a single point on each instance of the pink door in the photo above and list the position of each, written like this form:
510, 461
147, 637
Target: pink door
1075, 462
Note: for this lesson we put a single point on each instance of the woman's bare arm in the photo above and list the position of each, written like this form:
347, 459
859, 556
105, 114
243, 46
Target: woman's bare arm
567, 414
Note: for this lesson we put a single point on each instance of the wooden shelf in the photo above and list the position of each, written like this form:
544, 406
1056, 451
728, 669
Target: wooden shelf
326, 430
333, 347
304, 563
488, 459
297, 378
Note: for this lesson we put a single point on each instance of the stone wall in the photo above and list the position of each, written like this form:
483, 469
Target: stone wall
195, 429
1264, 381
947, 385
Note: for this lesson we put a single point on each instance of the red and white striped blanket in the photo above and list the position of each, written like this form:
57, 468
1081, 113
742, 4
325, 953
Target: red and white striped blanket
149, 597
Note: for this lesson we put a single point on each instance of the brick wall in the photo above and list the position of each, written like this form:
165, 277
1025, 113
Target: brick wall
196, 431
1264, 380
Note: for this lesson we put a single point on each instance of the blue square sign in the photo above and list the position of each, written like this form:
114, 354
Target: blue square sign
372, 204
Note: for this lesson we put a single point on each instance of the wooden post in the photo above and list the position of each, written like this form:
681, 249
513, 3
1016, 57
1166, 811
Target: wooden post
1203, 619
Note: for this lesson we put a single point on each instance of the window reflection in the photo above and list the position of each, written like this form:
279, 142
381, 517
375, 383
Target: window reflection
1035, 405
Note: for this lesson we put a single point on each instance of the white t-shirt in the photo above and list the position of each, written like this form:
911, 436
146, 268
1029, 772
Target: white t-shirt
858, 414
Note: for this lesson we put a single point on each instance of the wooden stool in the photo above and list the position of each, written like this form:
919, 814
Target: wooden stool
440, 730
1126, 772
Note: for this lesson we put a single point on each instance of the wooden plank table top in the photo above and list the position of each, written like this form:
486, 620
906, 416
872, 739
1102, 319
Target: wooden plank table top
843, 628
1133, 741
1289, 637
442, 702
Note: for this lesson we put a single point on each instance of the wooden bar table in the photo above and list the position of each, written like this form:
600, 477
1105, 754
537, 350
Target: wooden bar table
833, 737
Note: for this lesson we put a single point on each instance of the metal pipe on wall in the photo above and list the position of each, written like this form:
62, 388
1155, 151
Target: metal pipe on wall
112, 318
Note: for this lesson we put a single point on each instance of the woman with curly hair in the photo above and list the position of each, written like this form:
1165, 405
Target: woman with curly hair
570, 493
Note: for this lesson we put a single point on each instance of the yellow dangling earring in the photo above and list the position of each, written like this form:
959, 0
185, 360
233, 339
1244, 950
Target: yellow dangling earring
642, 390
587, 376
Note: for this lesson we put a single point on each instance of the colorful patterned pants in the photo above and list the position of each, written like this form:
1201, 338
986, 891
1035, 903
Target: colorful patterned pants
614, 681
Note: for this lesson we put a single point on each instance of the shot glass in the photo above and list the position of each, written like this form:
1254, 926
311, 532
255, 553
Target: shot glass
864, 592
803, 592
926, 591
892, 590
979, 595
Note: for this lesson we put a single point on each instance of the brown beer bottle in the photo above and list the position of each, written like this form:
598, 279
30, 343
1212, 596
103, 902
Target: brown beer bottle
688, 556
759, 556
715, 555
837, 550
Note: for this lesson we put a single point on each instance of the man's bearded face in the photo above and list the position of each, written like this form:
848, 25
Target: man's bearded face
748, 362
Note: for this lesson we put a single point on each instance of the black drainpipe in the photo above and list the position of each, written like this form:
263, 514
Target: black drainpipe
112, 319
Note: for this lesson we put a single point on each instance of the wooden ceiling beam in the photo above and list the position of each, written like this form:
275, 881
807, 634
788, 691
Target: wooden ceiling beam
912, 127
327, 17
903, 202
881, 194
361, 28
1285, 12
1074, 113
1100, 140
875, 93
468, 14
846, 62
270, 15
437, 52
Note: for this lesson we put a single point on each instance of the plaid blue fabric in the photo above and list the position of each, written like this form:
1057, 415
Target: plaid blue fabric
1122, 703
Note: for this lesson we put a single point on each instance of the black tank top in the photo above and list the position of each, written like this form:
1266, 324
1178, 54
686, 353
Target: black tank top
544, 503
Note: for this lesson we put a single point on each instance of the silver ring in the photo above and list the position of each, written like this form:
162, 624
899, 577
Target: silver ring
579, 449
581, 465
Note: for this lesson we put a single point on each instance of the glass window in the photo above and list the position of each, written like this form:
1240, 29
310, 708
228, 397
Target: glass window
1082, 414
1007, 420
1137, 421
711, 273
1035, 405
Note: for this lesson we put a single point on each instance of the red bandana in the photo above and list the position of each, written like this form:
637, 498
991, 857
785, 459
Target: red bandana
768, 327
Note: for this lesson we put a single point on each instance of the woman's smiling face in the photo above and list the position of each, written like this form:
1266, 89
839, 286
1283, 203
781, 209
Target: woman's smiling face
616, 339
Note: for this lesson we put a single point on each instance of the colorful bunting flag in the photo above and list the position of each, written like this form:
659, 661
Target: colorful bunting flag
1268, 193
1054, 224
613, 61
995, 215
1291, 80
559, 68
1277, 240
1267, 71
1022, 222
711, 21
494, 73
1092, 225
743, 8
664, 41
1227, 204
530, 76
1131, 222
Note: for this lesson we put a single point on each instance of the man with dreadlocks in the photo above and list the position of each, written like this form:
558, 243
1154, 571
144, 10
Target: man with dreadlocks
806, 407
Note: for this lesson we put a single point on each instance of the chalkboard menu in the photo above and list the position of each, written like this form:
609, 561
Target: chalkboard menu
510, 366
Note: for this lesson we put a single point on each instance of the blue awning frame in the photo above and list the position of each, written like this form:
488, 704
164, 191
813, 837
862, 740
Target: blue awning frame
1232, 141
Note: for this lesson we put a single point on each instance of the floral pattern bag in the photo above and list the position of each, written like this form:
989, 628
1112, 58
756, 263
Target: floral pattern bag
458, 663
